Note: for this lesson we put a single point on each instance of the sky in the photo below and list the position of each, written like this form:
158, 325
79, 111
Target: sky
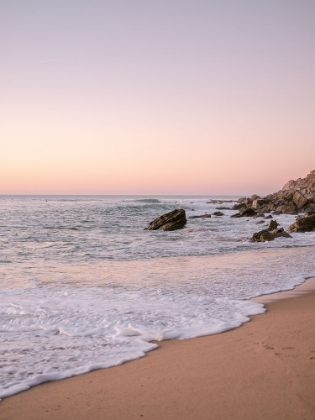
156, 97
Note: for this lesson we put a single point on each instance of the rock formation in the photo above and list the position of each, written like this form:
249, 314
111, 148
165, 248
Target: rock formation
303, 224
173, 220
294, 197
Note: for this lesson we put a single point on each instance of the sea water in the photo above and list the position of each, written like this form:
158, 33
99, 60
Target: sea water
84, 286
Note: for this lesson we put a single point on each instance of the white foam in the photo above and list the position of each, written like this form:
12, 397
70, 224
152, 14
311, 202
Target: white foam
50, 333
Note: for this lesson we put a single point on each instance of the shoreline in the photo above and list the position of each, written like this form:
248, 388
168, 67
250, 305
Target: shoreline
263, 369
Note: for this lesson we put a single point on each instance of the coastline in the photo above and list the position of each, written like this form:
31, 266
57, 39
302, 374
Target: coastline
264, 369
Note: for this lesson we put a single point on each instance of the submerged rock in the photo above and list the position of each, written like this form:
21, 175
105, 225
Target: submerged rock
303, 224
173, 220
220, 201
202, 216
218, 213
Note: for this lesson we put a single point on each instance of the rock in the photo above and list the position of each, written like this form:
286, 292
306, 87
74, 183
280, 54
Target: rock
309, 213
203, 216
266, 235
287, 208
260, 222
173, 220
272, 225
239, 206
299, 200
255, 197
294, 197
223, 208
248, 202
248, 213
245, 213
268, 217
220, 201
218, 213
258, 203
303, 224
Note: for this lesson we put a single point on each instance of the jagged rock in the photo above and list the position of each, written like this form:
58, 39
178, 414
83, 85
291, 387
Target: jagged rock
303, 224
294, 197
248, 202
173, 220
266, 235
203, 216
218, 213
248, 213
259, 202
245, 213
299, 200
288, 208
272, 225
239, 206
255, 197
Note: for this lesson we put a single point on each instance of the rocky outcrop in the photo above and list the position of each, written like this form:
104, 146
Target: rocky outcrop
173, 220
266, 235
294, 197
303, 224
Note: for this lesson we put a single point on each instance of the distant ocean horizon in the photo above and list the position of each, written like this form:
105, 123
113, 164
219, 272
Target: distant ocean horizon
83, 286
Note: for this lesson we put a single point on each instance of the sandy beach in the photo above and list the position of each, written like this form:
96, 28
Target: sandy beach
263, 370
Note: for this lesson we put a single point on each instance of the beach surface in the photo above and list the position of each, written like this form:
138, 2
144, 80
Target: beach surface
263, 370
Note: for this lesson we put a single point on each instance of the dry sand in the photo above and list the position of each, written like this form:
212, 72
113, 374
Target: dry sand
262, 370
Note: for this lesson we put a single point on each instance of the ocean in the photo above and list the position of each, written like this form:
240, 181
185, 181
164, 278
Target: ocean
83, 286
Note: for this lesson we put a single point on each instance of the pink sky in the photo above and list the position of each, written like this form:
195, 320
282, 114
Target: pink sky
174, 97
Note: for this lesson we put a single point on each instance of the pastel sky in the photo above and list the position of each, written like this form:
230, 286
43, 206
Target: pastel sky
156, 97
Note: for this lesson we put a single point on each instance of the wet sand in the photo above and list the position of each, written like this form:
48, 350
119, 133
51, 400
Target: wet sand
263, 370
